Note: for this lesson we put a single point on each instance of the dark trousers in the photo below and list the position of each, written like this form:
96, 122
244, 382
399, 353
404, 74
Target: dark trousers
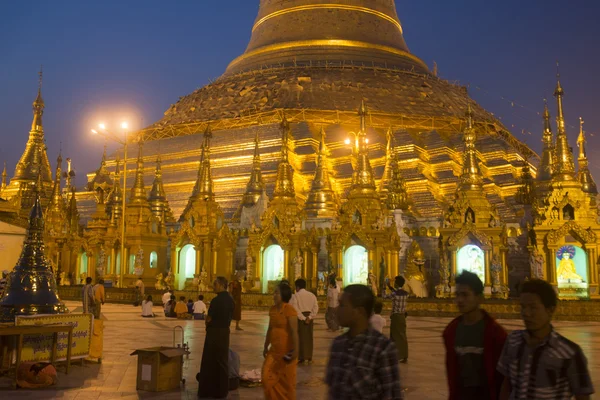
398, 335
213, 379
305, 337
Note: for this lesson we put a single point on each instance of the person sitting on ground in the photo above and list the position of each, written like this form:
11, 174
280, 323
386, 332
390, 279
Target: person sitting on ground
199, 310
190, 306
181, 309
376, 321
147, 307
166, 297
170, 308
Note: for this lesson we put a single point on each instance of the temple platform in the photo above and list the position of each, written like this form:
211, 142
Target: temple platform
568, 310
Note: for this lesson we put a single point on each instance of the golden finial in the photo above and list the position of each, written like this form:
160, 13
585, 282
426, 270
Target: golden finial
362, 113
205, 182
584, 175
321, 200
157, 197
38, 107
285, 137
255, 186
471, 177
57, 204
363, 181
395, 190
387, 170
547, 162
581, 140
4, 176
284, 183
138, 191
565, 166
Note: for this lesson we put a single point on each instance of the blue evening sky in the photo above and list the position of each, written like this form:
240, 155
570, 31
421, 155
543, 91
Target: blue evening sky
110, 60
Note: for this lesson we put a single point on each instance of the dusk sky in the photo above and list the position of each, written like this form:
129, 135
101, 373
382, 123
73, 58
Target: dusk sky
114, 60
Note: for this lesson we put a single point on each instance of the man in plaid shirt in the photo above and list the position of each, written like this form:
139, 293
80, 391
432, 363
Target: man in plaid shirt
363, 363
398, 317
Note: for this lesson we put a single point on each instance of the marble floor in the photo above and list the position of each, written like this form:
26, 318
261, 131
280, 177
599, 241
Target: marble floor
422, 378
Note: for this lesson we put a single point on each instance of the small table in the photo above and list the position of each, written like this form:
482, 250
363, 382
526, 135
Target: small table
21, 331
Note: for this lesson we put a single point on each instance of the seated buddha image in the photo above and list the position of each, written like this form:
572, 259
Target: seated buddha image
566, 270
475, 263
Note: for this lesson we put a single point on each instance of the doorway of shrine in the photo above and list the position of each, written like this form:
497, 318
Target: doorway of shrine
356, 265
83, 267
273, 268
187, 264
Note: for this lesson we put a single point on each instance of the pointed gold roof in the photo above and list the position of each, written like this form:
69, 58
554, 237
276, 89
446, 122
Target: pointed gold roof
34, 159
363, 181
57, 208
158, 198
584, 175
565, 166
256, 185
205, 185
471, 178
102, 177
321, 201
284, 183
138, 191
547, 163
396, 193
312, 31
386, 178
3, 177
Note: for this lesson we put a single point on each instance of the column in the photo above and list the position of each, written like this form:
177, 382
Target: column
214, 258
198, 261
286, 265
305, 265
452, 270
315, 267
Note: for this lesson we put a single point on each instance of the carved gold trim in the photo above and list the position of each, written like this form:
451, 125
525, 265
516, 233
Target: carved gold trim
325, 43
344, 7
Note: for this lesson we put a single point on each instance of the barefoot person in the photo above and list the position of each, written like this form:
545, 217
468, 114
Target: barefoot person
306, 305
398, 317
538, 362
474, 342
213, 378
281, 348
363, 364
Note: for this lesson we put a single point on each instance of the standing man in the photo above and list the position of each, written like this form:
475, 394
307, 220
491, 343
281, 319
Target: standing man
139, 292
213, 378
235, 289
99, 297
398, 317
87, 295
306, 305
474, 342
538, 362
363, 364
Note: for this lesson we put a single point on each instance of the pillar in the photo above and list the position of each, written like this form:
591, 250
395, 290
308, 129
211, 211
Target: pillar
286, 265
198, 261
315, 267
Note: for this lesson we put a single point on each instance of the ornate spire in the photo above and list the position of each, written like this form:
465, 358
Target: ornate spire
284, 184
526, 192
115, 201
102, 177
34, 159
3, 177
56, 208
363, 182
395, 189
565, 166
387, 170
584, 176
138, 191
321, 200
158, 198
31, 286
547, 162
255, 186
73, 214
205, 186
471, 177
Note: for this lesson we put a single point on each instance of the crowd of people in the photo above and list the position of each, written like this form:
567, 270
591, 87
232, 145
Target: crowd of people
482, 360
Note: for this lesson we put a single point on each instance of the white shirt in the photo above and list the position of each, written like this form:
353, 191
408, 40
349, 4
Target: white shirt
377, 322
305, 301
147, 308
199, 307
333, 295
166, 297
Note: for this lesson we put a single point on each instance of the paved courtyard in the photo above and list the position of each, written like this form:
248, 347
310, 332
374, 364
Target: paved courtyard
423, 377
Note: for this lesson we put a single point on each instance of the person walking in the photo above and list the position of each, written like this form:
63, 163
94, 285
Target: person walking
281, 348
333, 294
213, 378
306, 306
235, 289
363, 363
87, 295
538, 362
99, 298
398, 317
473, 342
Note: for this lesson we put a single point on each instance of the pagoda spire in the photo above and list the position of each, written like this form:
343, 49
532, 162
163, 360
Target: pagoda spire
395, 189
565, 166
138, 191
387, 170
363, 182
547, 162
584, 176
471, 178
73, 214
321, 200
35, 159
57, 202
284, 183
256, 185
205, 186
3, 177
102, 177
157, 197
527, 191
115, 201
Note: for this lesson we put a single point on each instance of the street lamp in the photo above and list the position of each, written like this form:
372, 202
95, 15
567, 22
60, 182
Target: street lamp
104, 132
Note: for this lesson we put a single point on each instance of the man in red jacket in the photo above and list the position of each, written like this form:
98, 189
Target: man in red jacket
474, 343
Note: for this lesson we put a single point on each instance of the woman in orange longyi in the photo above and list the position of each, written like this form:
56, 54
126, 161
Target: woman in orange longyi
279, 368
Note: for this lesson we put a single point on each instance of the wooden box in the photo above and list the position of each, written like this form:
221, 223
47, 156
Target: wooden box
159, 368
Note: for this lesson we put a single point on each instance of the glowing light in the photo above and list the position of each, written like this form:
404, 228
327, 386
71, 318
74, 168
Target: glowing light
124, 125
94, 131
347, 141
367, 140
102, 126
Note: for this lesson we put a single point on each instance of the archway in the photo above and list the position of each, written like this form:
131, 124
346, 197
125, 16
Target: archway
356, 265
118, 263
83, 264
153, 260
187, 264
273, 268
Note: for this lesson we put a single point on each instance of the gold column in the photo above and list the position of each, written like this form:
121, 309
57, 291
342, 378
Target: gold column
305, 265
258, 268
552, 264
488, 259
340, 265
372, 260
112, 266
453, 270
214, 259
198, 261
286, 265
314, 269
